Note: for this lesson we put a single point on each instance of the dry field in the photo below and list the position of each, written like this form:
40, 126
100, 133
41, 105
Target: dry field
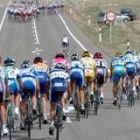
121, 33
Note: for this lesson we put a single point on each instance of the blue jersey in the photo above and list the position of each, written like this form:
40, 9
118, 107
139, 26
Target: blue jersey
28, 74
117, 63
42, 74
13, 75
76, 66
129, 58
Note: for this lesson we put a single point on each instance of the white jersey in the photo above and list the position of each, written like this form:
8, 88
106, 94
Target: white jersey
101, 63
65, 39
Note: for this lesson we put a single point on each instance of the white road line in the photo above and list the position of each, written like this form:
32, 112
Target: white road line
35, 31
72, 35
67, 28
3, 18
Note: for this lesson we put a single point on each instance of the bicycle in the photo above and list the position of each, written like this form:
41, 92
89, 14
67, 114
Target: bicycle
96, 97
40, 113
65, 50
58, 121
28, 119
10, 116
87, 98
76, 103
130, 92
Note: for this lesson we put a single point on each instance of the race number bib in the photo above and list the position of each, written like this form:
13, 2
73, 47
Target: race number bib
11, 74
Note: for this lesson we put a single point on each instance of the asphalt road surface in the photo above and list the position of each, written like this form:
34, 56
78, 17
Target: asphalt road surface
19, 40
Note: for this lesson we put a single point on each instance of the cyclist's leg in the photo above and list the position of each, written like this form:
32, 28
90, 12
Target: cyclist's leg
14, 90
3, 115
53, 100
43, 87
116, 79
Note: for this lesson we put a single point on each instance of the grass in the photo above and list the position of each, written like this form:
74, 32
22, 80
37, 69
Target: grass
122, 32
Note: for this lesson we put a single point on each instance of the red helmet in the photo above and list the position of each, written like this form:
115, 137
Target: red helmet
98, 55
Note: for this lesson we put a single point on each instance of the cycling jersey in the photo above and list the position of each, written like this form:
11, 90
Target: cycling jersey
76, 71
58, 83
130, 64
89, 68
59, 60
42, 70
29, 76
12, 74
118, 69
101, 70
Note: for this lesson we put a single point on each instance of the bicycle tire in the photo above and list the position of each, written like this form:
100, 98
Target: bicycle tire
29, 118
40, 113
58, 121
10, 123
87, 103
77, 106
96, 101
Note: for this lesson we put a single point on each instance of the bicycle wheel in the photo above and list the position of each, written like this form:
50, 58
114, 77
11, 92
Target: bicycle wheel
58, 124
96, 102
29, 118
87, 103
77, 105
9, 119
39, 112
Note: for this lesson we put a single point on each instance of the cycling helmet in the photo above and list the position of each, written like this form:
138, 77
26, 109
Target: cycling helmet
38, 59
60, 55
9, 61
98, 55
86, 54
74, 57
118, 54
129, 52
60, 66
25, 64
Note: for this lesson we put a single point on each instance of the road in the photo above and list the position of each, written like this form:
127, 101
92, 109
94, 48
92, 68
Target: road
19, 40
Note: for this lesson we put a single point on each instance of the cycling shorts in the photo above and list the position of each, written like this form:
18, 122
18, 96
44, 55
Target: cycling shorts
13, 86
28, 87
64, 44
89, 74
58, 85
118, 72
78, 77
131, 69
43, 87
101, 74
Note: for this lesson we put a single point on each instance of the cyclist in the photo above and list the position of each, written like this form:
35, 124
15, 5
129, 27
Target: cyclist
14, 82
101, 72
77, 76
59, 82
30, 85
137, 58
118, 70
42, 70
3, 91
130, 64
89, 71
60, 58
65, 43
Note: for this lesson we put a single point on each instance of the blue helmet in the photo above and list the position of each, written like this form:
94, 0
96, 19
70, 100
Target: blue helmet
9, 61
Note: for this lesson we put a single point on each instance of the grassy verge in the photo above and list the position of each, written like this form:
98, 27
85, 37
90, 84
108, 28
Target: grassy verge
121, 33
